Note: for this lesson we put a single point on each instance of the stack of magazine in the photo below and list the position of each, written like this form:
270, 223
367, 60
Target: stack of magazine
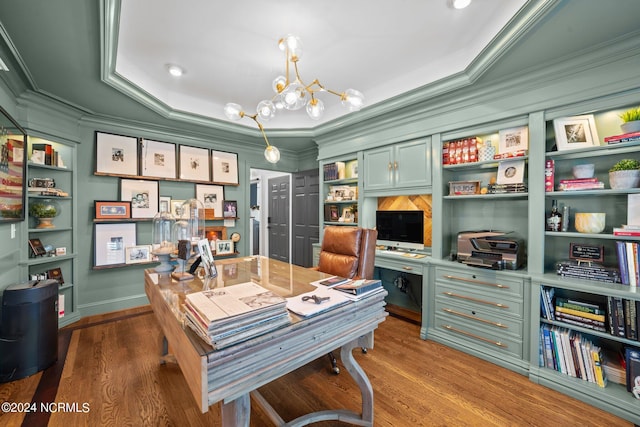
232, 314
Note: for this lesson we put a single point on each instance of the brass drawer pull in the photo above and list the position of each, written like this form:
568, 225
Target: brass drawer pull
406, 267
477, 282
481, 301
496, 343
476, 319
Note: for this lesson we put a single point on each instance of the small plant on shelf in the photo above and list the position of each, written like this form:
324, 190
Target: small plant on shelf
44, 211
631, 120
625, 174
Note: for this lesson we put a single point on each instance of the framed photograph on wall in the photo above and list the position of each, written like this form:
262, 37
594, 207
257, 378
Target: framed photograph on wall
224, 247
116, 154
211, 197
143, 195
158, 159
110, 241
194, 163
230, 208
514, 139
164, 204
175, 206
109, 209
576, 132
224, 167
137, 254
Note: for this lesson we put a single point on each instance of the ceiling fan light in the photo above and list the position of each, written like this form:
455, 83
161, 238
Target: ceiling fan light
233, 111
352, 99
272, 154
266, 110
315, 109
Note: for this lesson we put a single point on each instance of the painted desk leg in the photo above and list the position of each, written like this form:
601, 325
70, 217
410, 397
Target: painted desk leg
237, 412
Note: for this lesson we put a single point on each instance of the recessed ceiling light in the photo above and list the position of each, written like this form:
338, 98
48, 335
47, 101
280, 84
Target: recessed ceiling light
459, 4
175, 70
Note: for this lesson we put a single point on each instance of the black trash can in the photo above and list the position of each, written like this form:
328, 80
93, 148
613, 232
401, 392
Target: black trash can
29, 329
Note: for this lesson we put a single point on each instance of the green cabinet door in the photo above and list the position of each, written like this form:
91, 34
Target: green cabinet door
412, 164
378, 169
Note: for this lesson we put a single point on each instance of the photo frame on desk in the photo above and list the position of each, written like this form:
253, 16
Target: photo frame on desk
158, 159
143, 195
110, 241
116, 154
224, 167
576, 132
194, 163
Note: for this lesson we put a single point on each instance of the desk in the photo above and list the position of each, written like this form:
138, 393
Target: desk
232, 374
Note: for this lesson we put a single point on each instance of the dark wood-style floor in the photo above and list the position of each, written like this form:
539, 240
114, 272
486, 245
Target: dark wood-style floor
110, 364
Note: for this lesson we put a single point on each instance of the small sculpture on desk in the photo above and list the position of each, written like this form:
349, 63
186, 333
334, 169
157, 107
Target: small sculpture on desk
184, 253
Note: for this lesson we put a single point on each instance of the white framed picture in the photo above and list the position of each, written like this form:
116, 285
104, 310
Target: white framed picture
137, 254
194, 163
224, 167
224, 247
211, 196
165, 204
116, 154
576, 132
110, 241
511, 172
143, 195
158, 159
176, 208
514, 139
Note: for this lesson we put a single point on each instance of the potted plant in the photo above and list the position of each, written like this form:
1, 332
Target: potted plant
44, 211
625, 174
631, 120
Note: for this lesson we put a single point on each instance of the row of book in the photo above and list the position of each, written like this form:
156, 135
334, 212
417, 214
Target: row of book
628, 263
625, 137
340, 170
619, 317
226, 316
45, 154
571, 353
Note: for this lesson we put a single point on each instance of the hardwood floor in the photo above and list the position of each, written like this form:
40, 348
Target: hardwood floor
112, 377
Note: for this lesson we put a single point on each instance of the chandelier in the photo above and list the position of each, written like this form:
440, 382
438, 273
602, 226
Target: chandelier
292, 94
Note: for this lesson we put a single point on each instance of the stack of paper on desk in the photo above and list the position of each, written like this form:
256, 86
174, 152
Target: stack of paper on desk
232, 314
308, 307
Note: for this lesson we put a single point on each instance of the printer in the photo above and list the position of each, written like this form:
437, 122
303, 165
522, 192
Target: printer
497, 250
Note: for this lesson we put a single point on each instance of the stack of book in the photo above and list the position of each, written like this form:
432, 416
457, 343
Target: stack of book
506, 188
333, 171
45, 154
625, 137
628, 262
580, 313
232, 314
354, 288
572, 354
588, 272
627, 230
577, 184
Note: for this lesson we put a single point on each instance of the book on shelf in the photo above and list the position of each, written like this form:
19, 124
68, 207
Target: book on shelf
334, 171
632, 359
359, 287
628, 262
591, 316
576, 186
581, 305
622, 231
546, 295
625, 137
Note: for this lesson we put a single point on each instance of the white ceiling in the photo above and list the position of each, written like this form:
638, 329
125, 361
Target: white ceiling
230, 54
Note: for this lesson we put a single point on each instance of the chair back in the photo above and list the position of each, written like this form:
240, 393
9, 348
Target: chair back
348, 252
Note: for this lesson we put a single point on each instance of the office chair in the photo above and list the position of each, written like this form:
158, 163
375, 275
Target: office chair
347, 252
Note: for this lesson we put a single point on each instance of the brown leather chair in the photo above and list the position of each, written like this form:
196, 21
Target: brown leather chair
347, 252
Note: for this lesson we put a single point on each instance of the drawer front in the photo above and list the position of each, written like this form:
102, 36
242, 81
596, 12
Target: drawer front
481, 300
466, 333
482, 280
478, 316
399, 265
